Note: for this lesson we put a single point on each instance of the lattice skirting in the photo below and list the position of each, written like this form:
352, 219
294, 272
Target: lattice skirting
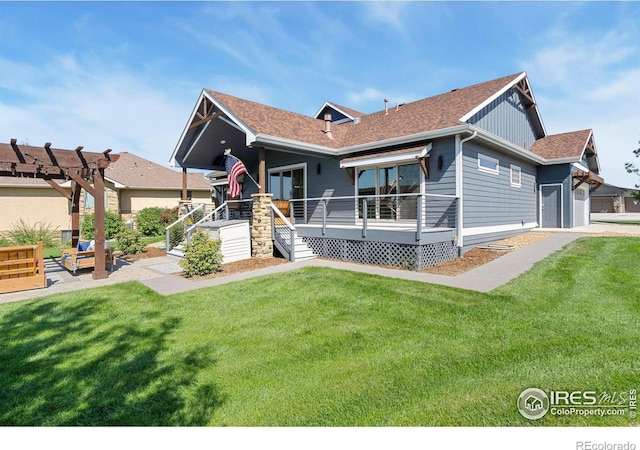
405, 256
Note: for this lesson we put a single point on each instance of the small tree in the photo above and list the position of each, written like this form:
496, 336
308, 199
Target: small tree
631, 168
201, 255
131, 242
148, 221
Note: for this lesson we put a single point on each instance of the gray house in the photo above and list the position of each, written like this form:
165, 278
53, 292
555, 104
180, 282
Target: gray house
614, 199
411, 185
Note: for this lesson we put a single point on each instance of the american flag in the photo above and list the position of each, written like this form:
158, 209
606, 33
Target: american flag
234, 168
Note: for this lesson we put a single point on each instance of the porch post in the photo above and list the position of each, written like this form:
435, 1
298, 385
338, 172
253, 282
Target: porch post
262, 175
99, 271
75, 213
184, 184
261, 237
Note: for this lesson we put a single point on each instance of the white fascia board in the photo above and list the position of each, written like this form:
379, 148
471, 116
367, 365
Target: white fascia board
470, 114
331, 105
116, 184
451, 131
172, 160
526, 154
519, 78
579, 166
220, 182
386, 159
249, 134
276, 142
571, 159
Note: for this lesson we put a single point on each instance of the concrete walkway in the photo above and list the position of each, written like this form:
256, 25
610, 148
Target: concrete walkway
157, 273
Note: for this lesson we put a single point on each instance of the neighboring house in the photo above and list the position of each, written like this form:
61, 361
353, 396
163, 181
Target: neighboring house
610, 198
132, 184
34, 201
423, 181
138, 183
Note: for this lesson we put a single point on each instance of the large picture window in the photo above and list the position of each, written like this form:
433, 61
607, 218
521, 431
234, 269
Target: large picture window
385, 189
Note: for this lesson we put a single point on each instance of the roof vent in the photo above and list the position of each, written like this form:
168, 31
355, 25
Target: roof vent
356, 120
386, 106
454, 89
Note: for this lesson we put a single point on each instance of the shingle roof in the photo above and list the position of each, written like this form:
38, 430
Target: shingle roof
433, 113
136, 172
564, 145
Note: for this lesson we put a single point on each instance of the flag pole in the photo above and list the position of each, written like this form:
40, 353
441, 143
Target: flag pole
227, 152
254, 181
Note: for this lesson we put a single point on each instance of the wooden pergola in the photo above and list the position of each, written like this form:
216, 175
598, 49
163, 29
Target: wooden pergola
84, 169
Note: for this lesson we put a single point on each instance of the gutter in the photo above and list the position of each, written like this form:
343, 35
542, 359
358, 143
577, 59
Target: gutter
298, 145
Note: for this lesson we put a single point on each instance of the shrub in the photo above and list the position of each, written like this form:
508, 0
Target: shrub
176, 235
201, 255
113, 225
148, 221
4, 242
168, 216
131, 242
23, 233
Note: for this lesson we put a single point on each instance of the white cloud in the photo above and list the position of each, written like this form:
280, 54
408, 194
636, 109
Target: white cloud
364, 96
589, 80
388, 13
78, 102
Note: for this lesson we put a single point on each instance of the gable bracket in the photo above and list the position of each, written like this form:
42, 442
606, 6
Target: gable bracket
351, 173
523, 87
424, 165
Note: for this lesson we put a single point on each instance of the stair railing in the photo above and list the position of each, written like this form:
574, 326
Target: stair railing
283, 233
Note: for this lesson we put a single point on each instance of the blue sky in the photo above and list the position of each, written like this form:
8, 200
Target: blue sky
126, 75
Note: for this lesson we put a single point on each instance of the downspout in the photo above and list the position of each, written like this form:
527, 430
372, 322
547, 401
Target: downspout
459, 189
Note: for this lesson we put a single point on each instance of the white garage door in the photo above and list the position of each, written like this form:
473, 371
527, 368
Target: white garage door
580, 207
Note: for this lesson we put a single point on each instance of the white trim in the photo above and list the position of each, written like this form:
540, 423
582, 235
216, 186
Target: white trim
517, 169
409, 157
196, 140
332, 106
471, 113
278, 142
579, 166
561, 202
489, 159
249, 134
302, 166
474, 231
520, 77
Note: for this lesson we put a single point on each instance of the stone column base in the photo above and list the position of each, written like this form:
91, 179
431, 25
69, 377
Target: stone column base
261, 238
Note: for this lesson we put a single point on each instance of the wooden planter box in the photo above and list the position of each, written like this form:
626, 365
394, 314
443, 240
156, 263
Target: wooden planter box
21, 268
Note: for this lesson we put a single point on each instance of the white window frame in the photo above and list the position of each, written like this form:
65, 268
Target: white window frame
493, 161
518, 170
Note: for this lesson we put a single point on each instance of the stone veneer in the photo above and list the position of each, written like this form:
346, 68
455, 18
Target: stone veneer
261, 239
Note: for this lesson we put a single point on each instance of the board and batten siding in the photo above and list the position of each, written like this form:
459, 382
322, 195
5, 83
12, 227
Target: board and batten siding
490, 200
507, 117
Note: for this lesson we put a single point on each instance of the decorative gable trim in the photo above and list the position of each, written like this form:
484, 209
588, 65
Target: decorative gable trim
521, 83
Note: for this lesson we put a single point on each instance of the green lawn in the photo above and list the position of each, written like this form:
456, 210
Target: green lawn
324, 347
